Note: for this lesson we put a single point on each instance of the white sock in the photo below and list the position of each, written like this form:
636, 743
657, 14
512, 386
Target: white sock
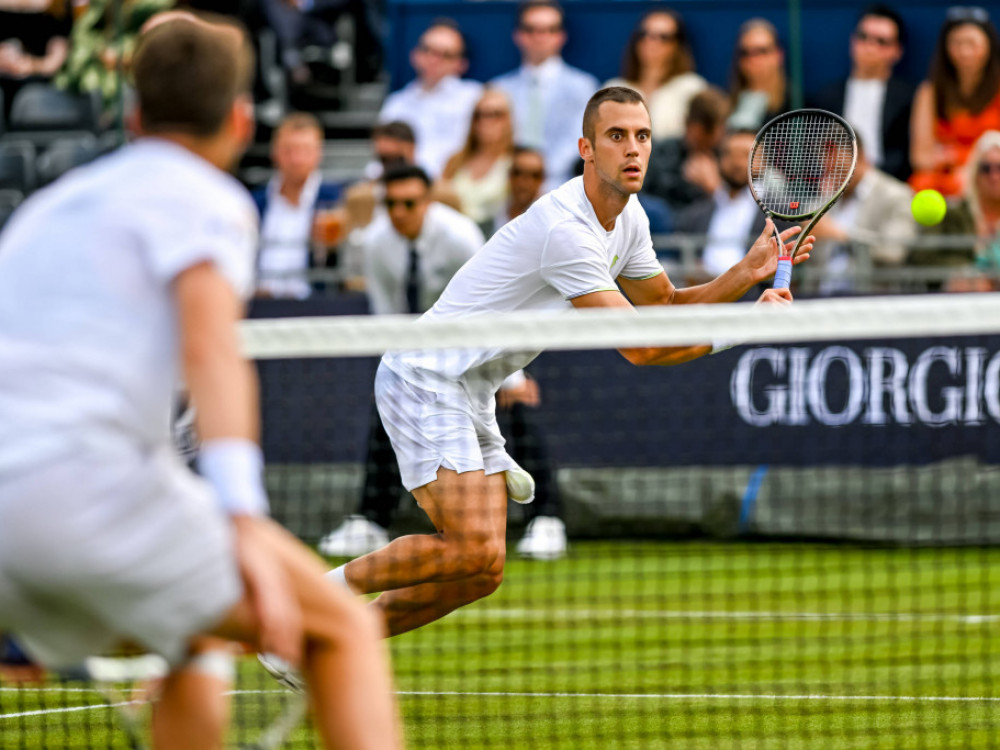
338, 576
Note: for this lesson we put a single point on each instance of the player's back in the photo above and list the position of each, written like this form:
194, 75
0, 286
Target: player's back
86, 311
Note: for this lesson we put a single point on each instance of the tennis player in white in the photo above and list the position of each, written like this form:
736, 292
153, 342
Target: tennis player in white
114, 282
568, 249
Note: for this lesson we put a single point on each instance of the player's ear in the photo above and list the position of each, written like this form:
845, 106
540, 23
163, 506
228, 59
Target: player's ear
586, 148
241, 119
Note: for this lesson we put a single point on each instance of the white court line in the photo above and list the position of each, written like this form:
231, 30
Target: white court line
613, 696
487, 613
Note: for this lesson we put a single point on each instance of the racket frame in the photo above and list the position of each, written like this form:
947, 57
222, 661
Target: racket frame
782, 276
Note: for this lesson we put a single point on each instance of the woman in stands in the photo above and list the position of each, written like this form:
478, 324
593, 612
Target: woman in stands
478, 173
659, 64
759, 86
959, 101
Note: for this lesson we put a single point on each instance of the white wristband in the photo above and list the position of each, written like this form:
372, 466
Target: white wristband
235, 468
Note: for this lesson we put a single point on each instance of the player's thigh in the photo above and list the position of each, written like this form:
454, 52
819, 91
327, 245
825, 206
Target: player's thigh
465, 506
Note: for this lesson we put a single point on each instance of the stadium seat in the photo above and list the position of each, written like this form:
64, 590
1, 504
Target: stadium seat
65, 154
17, 166
9, 200
42, 113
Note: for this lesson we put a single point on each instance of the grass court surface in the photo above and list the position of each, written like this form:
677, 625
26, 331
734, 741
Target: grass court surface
669, 644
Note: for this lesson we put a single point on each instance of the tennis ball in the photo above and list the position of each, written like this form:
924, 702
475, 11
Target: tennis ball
928, 207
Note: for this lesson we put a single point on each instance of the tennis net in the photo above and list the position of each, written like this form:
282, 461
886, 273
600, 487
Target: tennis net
791, 543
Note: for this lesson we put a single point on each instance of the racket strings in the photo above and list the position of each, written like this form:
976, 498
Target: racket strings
800, 162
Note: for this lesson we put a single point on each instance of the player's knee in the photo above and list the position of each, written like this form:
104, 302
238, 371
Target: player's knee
476, 558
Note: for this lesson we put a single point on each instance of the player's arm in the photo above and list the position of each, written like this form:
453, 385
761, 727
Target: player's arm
223, 387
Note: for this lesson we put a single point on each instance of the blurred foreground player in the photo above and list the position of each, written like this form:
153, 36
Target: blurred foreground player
113, 283
570, 249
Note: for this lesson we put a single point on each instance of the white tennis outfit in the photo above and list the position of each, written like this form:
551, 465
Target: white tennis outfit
438, 407
104, 533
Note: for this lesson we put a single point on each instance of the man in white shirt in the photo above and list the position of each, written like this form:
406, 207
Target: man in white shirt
548, 96
570, 249
730, 216
115, 282
289, 207
438, 103
876, 102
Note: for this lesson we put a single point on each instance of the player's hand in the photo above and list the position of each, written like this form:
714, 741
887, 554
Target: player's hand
526, 393
762, 258
775, 297
276, 608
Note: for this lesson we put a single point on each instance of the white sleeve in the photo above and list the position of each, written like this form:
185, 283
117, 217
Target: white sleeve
181, 231
574, 263
641, 262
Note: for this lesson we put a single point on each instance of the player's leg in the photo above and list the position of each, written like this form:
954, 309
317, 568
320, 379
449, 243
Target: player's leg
192, 710
426, 576
345, 663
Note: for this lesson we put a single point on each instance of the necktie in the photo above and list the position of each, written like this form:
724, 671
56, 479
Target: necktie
413, 282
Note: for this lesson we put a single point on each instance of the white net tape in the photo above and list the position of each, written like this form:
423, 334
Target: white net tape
806, 320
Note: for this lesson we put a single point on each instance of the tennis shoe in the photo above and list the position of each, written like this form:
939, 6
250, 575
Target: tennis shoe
544, 539
356, 536
520, 485
283, 672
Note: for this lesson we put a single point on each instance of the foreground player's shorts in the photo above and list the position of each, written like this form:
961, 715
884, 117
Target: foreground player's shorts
111, 543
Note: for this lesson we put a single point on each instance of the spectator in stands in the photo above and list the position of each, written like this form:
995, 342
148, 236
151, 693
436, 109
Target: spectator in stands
410, 254
959, 101
548, 96
870, 225
685, 170
659, 64
524, 184
759, 85
33, 43
302, 23
730, 215
876, 102
294, 208
437, 104
101, 45
478, 173
975, 215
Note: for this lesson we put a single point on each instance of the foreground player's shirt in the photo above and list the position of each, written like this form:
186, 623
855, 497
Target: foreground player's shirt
88, 329
555, 251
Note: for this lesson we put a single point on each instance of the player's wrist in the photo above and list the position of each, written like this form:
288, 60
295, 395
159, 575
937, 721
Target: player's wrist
235, 469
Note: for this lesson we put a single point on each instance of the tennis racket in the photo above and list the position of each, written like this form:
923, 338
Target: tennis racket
800, 164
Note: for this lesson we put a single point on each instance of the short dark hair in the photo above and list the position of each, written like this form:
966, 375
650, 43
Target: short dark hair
708, 108
444, 22
299, 121
189, 72
397, 130
619, 94
405, 172
528, 5
881, 10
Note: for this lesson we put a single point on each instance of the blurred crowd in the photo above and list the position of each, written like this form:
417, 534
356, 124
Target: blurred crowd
488, 149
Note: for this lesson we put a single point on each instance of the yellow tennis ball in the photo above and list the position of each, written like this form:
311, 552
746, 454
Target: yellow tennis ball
928, 207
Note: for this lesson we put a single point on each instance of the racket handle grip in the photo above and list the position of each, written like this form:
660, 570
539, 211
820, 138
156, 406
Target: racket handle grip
783, 276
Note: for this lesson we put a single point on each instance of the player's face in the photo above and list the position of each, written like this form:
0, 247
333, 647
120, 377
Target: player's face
622, 142
297, 153
438, 54
968, 48
988, 176
406, 202
540, 35
527, 173
733, 158
875, 46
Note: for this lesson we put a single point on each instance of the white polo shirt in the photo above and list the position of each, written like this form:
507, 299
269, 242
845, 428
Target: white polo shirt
555, 251
88, 326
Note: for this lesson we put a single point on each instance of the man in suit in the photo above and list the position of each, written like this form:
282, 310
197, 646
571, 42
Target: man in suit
730, 215
872, 99
288, 207
548, 96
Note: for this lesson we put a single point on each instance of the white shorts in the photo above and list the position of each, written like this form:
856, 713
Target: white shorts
112, 545
444, 427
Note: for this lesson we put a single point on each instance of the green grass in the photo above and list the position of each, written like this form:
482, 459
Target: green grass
693, 645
